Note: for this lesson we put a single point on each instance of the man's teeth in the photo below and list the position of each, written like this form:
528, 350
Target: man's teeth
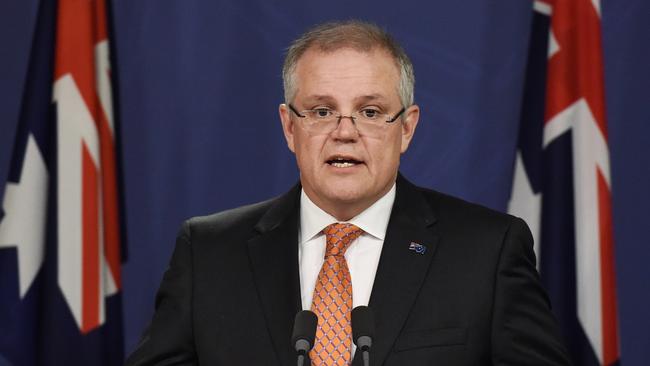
340, 164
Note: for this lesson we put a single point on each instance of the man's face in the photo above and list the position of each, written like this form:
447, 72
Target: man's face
347, 81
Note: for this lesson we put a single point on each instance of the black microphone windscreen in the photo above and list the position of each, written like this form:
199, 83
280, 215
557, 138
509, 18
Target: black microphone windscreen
304, 327
363, 323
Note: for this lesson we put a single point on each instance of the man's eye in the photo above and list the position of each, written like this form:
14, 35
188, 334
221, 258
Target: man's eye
369, 113
322, 112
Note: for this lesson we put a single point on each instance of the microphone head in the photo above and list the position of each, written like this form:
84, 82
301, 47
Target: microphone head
363, 325
304, 331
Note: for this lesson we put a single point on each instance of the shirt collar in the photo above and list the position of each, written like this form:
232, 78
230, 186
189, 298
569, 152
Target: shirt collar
373, 220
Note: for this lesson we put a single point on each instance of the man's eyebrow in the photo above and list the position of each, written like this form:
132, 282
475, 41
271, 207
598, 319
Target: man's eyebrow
318, 98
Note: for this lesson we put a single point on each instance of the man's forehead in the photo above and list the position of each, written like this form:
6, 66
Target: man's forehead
318, 70
325, 98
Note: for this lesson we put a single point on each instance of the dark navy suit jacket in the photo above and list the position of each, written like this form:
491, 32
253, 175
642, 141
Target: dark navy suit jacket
473, 297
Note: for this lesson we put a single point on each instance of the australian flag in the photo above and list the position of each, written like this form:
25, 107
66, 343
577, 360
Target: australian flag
60, 246
562, 176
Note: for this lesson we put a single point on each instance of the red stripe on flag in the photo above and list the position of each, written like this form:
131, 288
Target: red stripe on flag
75, 47
608, 278
101, 28
90, 265
576, 70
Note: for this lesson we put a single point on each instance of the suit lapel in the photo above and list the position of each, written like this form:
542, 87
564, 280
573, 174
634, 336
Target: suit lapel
401, 271
274, 260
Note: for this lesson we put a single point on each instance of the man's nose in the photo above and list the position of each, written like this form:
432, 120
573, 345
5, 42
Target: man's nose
346, 129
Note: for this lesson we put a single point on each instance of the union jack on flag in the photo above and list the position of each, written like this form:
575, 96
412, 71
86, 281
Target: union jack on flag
60, 247
562, 183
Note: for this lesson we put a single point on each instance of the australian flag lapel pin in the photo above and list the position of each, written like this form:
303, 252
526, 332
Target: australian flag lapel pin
418, 248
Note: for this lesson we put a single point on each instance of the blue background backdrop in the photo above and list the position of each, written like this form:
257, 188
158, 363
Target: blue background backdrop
198, 84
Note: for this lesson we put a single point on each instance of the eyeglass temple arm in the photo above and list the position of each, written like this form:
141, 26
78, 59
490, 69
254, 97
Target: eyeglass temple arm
295, 111
401, 111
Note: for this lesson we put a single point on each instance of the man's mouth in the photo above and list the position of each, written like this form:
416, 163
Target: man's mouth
343, 162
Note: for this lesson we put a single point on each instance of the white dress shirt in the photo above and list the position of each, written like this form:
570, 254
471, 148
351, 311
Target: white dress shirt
362, 255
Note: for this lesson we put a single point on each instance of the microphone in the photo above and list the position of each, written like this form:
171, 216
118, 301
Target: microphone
304, 332
363, 329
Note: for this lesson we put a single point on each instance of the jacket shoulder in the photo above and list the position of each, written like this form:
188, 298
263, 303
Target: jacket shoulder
248, 214
235, 222
459, 212
243, 222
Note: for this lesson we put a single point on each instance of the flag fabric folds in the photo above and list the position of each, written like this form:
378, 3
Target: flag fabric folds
60, 249
562, 184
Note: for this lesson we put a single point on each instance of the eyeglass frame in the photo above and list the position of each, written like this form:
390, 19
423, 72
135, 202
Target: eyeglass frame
352, 118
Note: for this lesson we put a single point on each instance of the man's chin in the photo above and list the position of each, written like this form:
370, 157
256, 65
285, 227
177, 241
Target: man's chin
348, 195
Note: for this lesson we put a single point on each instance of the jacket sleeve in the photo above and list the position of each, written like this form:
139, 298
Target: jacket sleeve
524, 330
168, 340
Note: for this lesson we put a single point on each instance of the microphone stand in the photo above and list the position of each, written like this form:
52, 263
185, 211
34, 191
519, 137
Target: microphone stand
301, 360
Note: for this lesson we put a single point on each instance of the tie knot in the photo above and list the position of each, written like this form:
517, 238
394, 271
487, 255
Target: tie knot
339, 236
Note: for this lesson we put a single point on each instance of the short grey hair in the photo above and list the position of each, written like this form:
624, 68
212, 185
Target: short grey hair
355, 34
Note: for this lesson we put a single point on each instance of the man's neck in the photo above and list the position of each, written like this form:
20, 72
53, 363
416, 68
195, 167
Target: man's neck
373, 220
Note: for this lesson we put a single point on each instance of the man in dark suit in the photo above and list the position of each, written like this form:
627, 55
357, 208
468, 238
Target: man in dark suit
449, 282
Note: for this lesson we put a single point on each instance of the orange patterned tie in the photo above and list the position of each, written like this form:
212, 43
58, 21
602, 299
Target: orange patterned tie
333, 299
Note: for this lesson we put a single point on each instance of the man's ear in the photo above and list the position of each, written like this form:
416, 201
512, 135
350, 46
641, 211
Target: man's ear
287, 125
409, 123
